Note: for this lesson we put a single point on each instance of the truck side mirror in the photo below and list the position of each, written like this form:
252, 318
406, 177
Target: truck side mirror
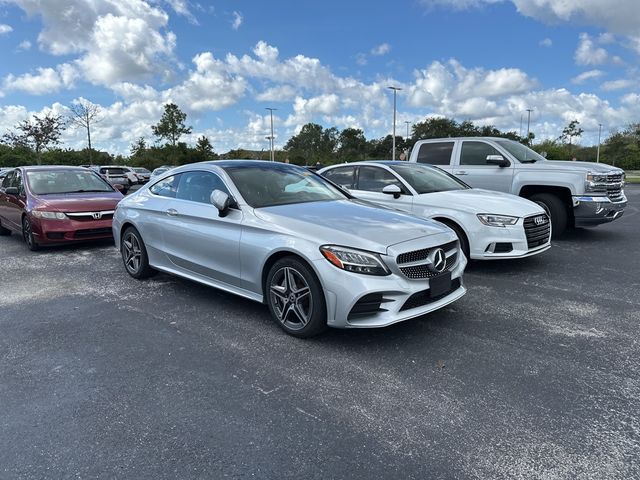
498, 160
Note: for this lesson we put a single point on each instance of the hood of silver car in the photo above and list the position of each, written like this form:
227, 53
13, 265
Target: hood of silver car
349, 223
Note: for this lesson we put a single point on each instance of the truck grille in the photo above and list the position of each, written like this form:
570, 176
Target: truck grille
614, 187
415, 264
538, 229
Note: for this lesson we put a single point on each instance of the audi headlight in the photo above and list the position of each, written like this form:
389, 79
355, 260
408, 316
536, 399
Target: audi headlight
497, 220
48, 215
356, 261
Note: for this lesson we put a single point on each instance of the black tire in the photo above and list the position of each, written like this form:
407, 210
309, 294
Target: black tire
4, 232
134, 254
462, 237
295, 298
556, 209
27, 234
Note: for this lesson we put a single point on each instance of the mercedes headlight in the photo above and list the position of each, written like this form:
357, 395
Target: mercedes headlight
497, 220
353, 260
48, 215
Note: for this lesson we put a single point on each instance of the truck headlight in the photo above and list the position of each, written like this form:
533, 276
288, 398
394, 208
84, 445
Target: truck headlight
497, 220
352, 260
595, 182
48, 215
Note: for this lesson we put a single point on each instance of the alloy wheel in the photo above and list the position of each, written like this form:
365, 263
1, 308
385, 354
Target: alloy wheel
291, 298
132, 252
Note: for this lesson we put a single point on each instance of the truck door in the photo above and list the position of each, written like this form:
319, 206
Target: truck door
437, 153
472, 167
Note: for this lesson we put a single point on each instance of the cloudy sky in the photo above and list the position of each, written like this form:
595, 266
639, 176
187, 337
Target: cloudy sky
224, 62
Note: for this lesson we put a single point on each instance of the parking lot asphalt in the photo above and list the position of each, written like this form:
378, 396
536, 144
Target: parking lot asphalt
535, 373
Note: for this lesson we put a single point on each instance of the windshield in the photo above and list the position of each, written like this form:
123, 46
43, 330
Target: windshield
270, 185
66, 181
141, 170
520, 151
425, 179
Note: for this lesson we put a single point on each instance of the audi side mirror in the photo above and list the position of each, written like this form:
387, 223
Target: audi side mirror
498, 160
221, 201
392, 190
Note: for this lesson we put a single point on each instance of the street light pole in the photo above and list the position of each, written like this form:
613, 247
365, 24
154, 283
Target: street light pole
271, 138
529, 110
599, 132
407, 122
395, 91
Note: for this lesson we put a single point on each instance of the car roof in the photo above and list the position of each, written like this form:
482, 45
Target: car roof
36, 168
388, 163
443, 139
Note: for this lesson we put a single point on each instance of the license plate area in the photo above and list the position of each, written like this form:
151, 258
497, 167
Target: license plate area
439, 284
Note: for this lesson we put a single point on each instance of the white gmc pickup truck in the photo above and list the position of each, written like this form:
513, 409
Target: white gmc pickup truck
577, 194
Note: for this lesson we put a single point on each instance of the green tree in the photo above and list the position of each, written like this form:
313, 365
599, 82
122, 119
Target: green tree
171, 125
435, 128
352, 145
205, 149
312, 145
570, 132
138, 148
37, 134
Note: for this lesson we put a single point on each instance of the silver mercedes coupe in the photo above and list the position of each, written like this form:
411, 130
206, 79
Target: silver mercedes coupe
283, 235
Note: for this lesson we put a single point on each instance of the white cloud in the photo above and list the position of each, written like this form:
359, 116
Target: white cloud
584, 76
46, 80
547, 42
281, 93
117, 40
237, 20
620, 84
24, 45
4, 29
181, 7
361, 59
588, 53
381, 49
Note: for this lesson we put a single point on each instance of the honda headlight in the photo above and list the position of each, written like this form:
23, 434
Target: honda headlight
497, 220
356, 261
48, 215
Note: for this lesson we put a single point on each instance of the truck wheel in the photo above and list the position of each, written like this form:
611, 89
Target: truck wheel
556, 209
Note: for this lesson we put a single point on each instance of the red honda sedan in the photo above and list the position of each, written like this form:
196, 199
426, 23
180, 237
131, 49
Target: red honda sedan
52, 205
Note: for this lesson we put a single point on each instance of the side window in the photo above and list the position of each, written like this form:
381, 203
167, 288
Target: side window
17, 182
374, 179
166, 187
437, 153
475, 153
8, 179
343, 176
197, 186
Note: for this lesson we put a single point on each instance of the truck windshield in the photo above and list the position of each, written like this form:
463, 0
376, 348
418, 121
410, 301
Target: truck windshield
522, 153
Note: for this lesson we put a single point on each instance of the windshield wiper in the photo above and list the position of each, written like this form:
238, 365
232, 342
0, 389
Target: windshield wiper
86, 191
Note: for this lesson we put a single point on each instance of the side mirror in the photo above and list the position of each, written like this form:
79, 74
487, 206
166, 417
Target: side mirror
498, 160
392, 190
221, 201
11, 191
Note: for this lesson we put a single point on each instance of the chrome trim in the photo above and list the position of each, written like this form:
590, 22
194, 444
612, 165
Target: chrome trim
89, 214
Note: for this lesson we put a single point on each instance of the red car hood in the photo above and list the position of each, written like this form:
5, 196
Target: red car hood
79, 202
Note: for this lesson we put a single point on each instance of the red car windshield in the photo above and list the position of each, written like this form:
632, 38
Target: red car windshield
66, 181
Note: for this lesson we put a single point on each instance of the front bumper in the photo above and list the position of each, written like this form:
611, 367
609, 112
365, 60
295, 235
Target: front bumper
64, 231
485, 243
595, 210
343, 290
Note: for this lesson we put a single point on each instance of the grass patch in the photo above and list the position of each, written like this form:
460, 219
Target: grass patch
633, 180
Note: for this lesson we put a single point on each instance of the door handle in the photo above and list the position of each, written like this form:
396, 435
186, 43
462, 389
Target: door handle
460, 172
172, 211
